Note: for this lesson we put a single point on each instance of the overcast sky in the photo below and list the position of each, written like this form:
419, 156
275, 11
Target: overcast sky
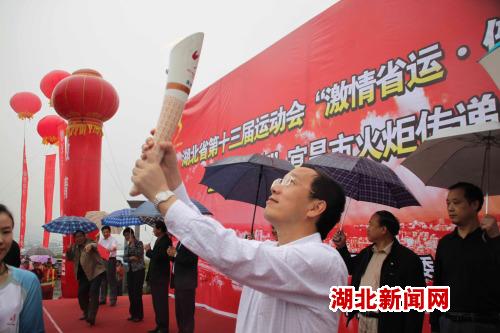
128, 43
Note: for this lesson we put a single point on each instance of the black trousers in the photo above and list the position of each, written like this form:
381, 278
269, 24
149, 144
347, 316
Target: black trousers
88, 295
184, 309
119, 287
446, 325
135, 281
159, 294
109, 279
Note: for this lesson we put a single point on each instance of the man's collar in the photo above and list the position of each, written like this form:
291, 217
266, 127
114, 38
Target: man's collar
315, 238
385, 250
475, 232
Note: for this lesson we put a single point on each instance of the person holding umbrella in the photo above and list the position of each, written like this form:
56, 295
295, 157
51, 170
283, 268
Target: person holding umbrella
289, 279
38, 270
385, 262
468, 261
89, 271
49, 279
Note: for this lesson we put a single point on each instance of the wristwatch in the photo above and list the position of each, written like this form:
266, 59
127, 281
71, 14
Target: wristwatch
161, 197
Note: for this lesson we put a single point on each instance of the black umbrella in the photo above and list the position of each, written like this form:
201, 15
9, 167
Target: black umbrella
150, 215
465, 153
245, 178
365, 180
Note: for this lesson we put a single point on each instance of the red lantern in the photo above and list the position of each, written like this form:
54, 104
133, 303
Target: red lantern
49, 81
48, 128
25, 104
86, 100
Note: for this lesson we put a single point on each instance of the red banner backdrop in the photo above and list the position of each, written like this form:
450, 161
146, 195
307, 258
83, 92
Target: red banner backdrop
48, 192
24, 198
367, 78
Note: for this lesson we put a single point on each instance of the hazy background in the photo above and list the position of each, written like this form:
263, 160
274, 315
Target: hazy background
128, 42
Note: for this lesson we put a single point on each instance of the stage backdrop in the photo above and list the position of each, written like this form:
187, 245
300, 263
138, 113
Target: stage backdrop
367, 78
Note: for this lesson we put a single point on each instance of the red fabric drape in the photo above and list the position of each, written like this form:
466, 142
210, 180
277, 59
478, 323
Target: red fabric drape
50, 169
24, 198
62, 158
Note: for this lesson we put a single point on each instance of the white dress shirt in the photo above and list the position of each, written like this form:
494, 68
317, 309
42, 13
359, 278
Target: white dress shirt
286, 288
109, 244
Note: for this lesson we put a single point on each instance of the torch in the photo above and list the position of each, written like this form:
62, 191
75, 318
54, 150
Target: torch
182, 68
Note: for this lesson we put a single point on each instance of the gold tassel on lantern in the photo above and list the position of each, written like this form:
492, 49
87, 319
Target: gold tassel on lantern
25, 115
83, 128
50, 140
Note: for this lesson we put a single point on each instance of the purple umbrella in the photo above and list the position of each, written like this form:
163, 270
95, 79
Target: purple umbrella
42, 258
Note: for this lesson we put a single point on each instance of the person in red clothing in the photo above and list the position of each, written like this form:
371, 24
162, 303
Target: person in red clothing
38, 270
48, 280
120, 273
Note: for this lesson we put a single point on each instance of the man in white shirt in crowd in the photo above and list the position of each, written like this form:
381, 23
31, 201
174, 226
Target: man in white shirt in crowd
109, 243
286, 283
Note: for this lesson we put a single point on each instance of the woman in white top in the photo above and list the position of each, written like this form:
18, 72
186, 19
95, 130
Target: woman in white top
20, 291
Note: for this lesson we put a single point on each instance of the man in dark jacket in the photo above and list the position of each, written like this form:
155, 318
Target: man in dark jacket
184, 281
89, 271
386, 262
159, 275
468, 261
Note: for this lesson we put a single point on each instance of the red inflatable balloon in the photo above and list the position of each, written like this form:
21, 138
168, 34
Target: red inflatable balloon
50, 80
85, 95
25, 104
48, 128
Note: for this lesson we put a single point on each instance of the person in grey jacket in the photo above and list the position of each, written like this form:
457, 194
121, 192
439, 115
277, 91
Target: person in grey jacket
89, 271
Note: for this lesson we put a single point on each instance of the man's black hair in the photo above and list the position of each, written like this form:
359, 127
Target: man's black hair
128, 230
471, 192
160, 225
388, 220
78, 232
323, 187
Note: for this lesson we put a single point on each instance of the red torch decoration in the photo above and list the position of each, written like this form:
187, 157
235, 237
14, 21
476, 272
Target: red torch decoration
25, 104
48, 128
47, 86
86, 100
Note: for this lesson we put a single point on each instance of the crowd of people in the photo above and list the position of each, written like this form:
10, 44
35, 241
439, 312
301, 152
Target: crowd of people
100, 277
286, 282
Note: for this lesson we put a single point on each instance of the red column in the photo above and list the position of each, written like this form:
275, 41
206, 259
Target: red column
86, 101
82, 184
